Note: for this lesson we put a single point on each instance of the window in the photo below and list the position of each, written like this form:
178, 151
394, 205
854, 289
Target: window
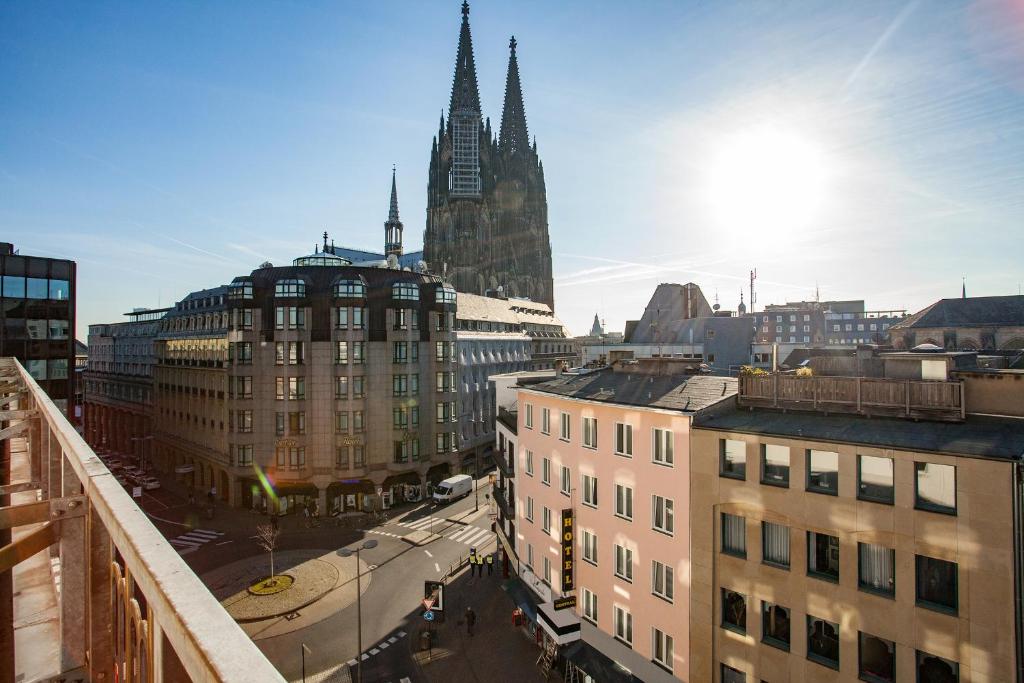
290, 288
399, 385
589, 490
341, 353
623, 626
734, 611
529, 555
279, 424
662, 439
295, 353
775, 625
734, 535
623, 439
240, 290
661, 649
547, 570
243, 387
775, 465
932, 669
529, 463
244, 421
623, 563
529, 416
291, 458
545, 519
405, 291
876, 659
936, 584
349, 288
545, 471
341, 387
444, 295
823, 642
822, 556
662, 515
289, 318
823, 472
775, 544
357, 421
296, 388
358, 387
402, 318
624, 502
444, 352
244, 355
444, 381
590, 606
529, 508
297, 423
662, 580
341, 422
731, 675
565, 483
590, 432
590, 547
732, 457
935, 487
876, 567
565, 432
545, 420
875, 479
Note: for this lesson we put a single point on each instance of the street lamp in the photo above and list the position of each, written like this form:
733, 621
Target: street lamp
346, 552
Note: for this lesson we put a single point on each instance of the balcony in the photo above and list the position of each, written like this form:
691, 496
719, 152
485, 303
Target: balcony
110, 599
501, 498
869, 396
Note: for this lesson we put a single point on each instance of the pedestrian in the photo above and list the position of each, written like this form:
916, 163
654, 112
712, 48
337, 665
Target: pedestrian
191, 497
490, 564
470, 620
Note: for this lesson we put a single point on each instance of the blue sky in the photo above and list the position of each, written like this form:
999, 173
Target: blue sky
169, 147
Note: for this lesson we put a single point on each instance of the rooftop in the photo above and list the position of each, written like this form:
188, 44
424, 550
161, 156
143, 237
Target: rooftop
987, 437
973, 311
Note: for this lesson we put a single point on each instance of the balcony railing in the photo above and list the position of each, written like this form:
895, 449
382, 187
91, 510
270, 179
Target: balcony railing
929, 400
129, 608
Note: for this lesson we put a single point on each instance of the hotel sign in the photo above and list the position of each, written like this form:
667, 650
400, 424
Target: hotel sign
565, 602
568, 545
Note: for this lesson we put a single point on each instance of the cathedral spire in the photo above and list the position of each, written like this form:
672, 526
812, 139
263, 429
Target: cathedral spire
393, 226
514, 136
465, 94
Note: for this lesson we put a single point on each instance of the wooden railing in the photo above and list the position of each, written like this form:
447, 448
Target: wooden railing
918, 399
130, 609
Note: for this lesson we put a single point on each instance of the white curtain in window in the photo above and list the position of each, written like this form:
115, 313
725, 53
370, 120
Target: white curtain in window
776, 543
876, 567
734, 530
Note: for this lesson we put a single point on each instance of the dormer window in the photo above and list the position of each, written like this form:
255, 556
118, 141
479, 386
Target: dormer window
290, 288
444, 295
405, 291
350, 288
240, 290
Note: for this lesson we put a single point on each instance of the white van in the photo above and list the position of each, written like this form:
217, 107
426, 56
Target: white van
453, 488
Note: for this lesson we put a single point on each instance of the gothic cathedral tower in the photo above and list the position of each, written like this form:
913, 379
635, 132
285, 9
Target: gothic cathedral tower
487, 210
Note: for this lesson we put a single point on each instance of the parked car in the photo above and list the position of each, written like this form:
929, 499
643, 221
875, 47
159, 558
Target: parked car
121, 480
133, 471
150, 483
453, 488
113, 464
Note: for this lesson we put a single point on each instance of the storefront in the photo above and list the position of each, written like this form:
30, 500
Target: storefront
401, 488
437, 474
348, 495
294, 498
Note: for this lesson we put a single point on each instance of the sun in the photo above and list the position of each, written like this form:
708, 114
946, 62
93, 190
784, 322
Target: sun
766, 179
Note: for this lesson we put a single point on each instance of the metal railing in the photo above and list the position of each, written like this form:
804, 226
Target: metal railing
925, 399
129, 607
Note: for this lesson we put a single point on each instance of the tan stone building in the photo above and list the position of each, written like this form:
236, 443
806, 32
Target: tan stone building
834, 538
979, 323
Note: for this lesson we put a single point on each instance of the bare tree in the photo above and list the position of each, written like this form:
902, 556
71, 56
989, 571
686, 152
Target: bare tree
266, 537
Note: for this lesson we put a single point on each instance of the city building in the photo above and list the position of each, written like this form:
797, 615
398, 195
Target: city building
487, 215
980, 323
866, 528
118, 380
823, 323
604, 456
38, 326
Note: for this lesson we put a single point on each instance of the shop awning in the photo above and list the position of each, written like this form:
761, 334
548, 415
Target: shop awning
522, 596
438, 472
351, 486
596, 664
411, 478
563, 625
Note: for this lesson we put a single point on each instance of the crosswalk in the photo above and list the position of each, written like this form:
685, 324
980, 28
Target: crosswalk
425, 523
469, 535
193, 540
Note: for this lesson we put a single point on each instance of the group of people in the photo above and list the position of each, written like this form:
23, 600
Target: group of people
477, 562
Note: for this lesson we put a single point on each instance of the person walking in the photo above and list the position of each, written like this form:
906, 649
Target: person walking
490, 564
470, 620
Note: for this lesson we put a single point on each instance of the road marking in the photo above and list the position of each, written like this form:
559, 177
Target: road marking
383, 645
374, 651
405, 680
437, 567
365, 657
393, 640
224, 542
401, 634
351, 662
190, 541
427, 552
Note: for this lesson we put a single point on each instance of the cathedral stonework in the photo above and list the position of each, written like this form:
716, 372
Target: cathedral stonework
487, 209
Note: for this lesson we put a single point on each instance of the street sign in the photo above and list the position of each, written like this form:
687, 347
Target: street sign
433, 591
428, 615
136, 492
428, 603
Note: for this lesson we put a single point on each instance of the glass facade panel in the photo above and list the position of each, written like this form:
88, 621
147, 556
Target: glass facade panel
875, 479
935, 487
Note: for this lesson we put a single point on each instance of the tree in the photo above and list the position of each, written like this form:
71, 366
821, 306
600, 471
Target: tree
266, 537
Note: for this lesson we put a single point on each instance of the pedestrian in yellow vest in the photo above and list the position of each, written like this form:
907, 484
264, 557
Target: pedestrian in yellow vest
490, 565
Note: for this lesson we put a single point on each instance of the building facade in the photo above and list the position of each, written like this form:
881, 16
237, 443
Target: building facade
981, 323
487, 222
824, 323
830, 547
37, 299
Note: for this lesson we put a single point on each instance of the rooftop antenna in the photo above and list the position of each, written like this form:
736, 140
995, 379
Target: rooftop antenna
817, 293
963, 287
753, 297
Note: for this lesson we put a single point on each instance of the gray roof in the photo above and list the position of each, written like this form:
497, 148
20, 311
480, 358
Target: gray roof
683, 392
971, 312
988, 437
669, 307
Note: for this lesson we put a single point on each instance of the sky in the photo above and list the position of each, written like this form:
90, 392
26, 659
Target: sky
860, 150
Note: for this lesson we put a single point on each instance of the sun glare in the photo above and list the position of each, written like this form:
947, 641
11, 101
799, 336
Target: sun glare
766, 178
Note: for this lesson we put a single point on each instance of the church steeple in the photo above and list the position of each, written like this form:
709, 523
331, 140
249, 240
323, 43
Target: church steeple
464, 118
514, 136
465, 94
393, 226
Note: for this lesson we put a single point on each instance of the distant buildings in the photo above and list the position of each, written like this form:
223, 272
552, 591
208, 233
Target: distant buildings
37, 298
983, 323
824, 323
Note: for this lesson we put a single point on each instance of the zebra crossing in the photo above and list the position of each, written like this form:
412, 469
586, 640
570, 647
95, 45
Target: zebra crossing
469, 535
193, 540
424, 523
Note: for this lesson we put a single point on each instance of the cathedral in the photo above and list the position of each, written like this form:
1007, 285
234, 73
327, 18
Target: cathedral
487, 211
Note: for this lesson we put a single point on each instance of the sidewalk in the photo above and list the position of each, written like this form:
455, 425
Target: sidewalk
497, 652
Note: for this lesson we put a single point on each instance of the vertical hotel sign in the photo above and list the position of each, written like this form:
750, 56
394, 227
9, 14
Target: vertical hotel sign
568, 544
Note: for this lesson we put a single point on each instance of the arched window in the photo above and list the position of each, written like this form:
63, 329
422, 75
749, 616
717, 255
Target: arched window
405, 291
290, 288
444, 295
350, 288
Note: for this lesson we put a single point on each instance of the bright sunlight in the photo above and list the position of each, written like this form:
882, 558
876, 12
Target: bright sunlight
766, 178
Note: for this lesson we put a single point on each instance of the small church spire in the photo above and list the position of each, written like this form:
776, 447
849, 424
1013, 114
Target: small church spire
393, 209
513, 136
393, 226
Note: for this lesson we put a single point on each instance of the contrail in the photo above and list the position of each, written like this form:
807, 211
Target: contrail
880, 43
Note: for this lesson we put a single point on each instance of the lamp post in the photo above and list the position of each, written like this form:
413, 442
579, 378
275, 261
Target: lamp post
346, 552
142, 450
